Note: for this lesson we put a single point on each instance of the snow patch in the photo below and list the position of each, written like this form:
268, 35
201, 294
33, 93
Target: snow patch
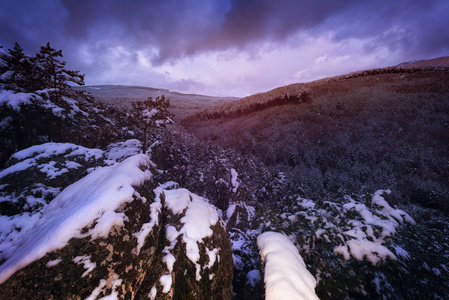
285, 273
153, 293
166, 281
234, 182
253, 277
30, 157
53, 263
119, 151
145, 230
363, 241
111, 283
230, 211
15, 100
360, 229
87, 264
198, 218
177, 200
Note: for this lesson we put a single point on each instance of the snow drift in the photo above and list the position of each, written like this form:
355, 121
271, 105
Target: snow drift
285, 273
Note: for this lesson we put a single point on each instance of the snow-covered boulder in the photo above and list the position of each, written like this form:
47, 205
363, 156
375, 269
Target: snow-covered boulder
85, 242
197, 254
110, 233
285, 273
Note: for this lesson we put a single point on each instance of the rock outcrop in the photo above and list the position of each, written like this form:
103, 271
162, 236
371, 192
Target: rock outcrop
115, 233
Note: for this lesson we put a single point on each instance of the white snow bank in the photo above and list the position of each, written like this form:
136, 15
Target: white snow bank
285, 273
94, 198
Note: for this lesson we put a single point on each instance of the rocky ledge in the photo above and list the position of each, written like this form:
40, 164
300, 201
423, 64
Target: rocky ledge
115, 232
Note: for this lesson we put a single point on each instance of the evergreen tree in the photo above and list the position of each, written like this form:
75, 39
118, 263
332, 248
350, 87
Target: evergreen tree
44, 116
3, 67
18, 71
151, 113
53, 73
46, 70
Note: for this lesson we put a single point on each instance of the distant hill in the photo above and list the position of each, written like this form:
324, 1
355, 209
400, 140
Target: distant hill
379, 128
435, 62
182, 105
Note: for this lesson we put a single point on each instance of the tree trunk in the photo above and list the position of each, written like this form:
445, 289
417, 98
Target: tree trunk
145, 139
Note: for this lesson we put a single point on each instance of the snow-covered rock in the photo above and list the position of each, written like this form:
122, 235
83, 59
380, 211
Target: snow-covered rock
197, 245
111, 233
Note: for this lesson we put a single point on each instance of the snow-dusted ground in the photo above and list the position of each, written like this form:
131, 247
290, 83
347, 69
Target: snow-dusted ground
354, 228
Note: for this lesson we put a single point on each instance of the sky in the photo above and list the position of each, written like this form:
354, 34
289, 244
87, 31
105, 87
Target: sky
226, 47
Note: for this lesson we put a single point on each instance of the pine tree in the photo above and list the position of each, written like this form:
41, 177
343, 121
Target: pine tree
3, 68
36, 120
53, 74
18, 71
151, 113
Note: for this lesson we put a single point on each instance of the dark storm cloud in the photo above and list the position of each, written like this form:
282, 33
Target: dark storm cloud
30, 23
94, 35
252, 20
179, 28
418, 28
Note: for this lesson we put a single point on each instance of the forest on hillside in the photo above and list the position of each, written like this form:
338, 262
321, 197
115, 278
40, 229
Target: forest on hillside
349, 134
